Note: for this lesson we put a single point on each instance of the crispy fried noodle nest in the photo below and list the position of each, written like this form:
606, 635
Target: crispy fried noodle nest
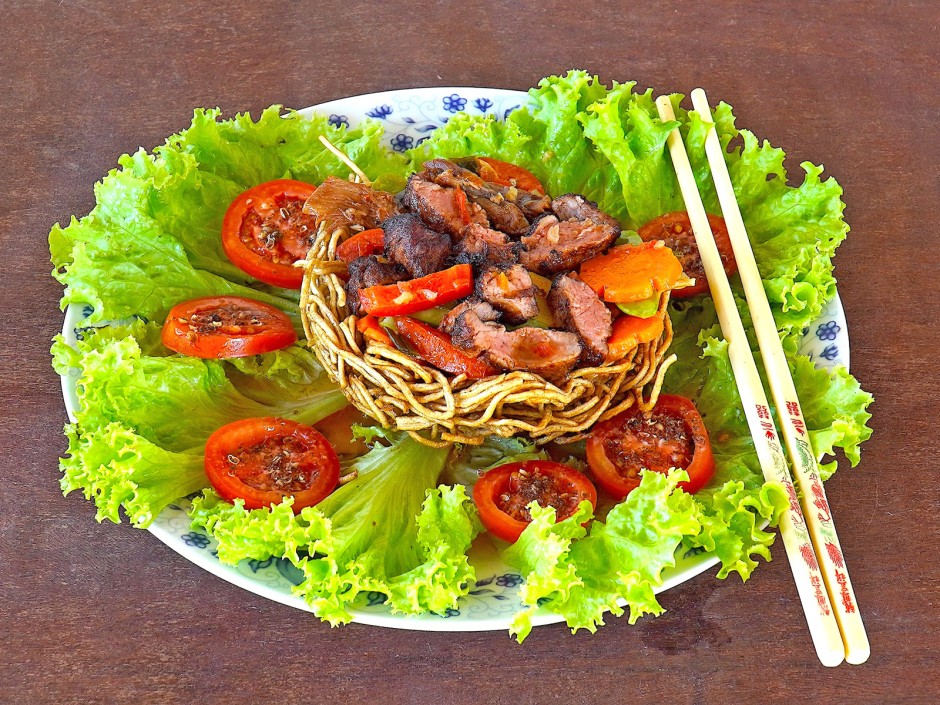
403, 393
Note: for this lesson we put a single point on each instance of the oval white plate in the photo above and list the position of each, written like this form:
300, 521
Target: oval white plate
409, 116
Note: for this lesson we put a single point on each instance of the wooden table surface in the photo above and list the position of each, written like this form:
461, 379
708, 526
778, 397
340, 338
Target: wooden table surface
106, 614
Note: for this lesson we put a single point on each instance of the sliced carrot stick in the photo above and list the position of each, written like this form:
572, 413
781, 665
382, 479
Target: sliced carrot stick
633, 272
507, 174
631, 331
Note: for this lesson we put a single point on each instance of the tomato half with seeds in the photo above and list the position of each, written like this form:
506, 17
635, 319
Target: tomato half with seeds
673, 435
675, 229
503, 494
264, 460
265, 231
226, 326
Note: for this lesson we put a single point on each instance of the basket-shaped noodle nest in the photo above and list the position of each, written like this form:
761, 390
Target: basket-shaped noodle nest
403, 393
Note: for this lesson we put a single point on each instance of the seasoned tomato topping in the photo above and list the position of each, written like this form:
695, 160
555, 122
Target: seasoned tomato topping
658, 443
263, 460
226, 326
265, 231
279, 230
278, 463
671, 435
502, 495
526, 486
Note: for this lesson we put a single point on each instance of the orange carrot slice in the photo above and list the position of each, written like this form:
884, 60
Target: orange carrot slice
630, 332
633, 272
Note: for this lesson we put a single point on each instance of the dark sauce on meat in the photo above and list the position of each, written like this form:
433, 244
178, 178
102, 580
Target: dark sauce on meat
526, 486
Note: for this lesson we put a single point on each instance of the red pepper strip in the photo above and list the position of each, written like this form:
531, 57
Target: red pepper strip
371, 329
368, 242
407, 297
463, 206
435, 348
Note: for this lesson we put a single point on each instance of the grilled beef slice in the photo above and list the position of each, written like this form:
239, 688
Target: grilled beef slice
413, 245
369, 271
437, 206
530, 203
337, 202
481, 246
577, 231
574, 206
509, 289
578, 309
549, 353
483, 310
502, 213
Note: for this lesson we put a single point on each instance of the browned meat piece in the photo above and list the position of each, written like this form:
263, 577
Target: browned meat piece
573, 206
337, 202
480, 246
483, 310
531, 204
460, 174
413, 245
438, 206
502, 213
578, 309
370, 271
554, 246
510, 289
549, 353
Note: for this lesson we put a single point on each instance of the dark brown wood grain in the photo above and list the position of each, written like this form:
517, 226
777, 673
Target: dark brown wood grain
107, 614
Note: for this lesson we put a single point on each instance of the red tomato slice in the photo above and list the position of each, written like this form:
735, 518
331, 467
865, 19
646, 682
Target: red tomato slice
265, 231
503, 494
674, 435
675, 229
262, 461
506, 174
226, 326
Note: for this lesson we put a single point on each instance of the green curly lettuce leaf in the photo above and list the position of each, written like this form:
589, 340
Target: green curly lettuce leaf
735, 500
391, 530
153, 237
118, 469
471, 461
178, 401
581, 575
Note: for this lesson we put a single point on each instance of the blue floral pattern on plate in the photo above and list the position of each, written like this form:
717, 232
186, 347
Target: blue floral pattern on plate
409, 116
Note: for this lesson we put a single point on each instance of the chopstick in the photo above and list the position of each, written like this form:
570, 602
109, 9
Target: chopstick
810, 584
816, 508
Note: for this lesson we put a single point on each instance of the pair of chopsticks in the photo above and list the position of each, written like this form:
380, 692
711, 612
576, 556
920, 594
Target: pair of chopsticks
809, 535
